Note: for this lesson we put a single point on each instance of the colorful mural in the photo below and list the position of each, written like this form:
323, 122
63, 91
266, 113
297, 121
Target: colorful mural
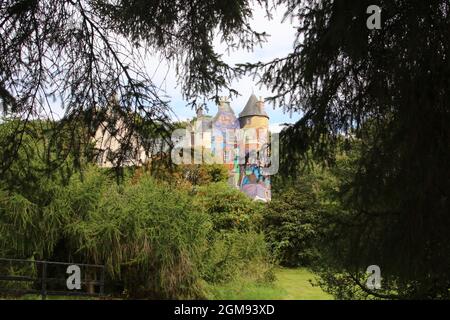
254, 184
227, 130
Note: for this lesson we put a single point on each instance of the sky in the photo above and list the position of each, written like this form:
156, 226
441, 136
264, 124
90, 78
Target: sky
279, 43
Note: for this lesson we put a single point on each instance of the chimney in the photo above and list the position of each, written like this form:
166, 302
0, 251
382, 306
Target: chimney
223, 101
260, 104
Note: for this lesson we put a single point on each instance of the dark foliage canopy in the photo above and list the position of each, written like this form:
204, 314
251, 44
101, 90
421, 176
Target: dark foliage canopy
388, 89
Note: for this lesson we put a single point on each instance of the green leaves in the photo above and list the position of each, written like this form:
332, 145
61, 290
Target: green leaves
292, 223
148, 234
229, 208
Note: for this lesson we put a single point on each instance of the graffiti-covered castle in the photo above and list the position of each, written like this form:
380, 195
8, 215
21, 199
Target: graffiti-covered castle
239, 142
242, 143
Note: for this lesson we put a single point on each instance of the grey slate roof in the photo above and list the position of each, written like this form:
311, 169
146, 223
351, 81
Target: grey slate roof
251, 108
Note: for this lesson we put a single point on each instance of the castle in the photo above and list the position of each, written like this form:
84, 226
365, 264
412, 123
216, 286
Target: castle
241, 143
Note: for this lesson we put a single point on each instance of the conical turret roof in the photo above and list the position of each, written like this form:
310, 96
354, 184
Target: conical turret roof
252, 109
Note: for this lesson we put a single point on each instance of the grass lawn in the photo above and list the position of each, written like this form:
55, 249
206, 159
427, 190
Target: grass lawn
290, 284
296, 284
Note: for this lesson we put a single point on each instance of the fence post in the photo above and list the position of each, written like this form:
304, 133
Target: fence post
44, 281
102, 282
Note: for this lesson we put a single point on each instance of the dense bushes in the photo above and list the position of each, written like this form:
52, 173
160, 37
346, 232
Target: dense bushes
237, 255
300, 214
185, 175
290, 226
149, 236
155, 241
229, 208
237, 249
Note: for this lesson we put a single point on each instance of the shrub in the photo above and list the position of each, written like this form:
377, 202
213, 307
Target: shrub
186, 175
291, 225
229, 208
26, 229
155, 241
149, 235
237, 249
234, 255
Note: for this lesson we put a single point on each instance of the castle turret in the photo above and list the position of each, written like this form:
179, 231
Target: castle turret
255, 123
254, 115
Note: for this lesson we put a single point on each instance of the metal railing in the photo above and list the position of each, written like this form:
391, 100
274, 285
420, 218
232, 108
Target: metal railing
45, 282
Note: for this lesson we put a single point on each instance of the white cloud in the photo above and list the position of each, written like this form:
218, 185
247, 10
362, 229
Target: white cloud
276, 127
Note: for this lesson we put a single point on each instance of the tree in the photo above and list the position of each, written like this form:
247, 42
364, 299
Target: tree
79, 53
389, 89
295, 220
40, 162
